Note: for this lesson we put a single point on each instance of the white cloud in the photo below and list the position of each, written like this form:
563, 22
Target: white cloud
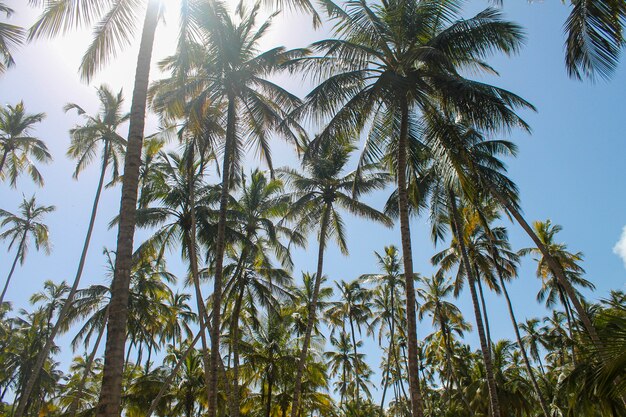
620, 247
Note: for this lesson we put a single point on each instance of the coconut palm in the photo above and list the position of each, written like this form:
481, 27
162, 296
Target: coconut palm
393, 61
353, 307
316, 197
17, 145
23, 227
232, 74
387, 306
551, 289
85, 140
11, 36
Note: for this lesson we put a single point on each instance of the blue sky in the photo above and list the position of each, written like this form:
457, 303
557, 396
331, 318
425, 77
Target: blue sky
571, 169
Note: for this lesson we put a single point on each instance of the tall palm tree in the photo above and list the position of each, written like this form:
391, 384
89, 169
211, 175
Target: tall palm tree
316, 197
230, 72
17, 145
11, 36
115, 29
394, 60
22, 227
85, 140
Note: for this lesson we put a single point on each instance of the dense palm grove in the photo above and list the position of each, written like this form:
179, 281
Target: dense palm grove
243, 333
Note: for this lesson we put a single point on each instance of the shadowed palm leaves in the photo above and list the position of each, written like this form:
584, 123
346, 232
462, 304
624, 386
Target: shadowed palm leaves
17, 146
316, 198
22, 227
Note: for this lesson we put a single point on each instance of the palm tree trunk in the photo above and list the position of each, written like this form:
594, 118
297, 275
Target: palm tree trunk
484, 308
389, 353
193, 264
312, 310
17, 256
73, 408
172, 375
529, 369
356, 370
231, 137
268, 407
67, 305
417, 405
491, 383
109, 403
235, 348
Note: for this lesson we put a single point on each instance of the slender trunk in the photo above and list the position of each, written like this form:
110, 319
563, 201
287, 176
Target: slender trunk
484, 308
388, 364
491, 383
450, 353
172, 375
231, 137
20, 248
529, 369
109, 403
356, 370
268, 407
67, 305
312, 310
73, 408
4, 158
235, 348
193, 265
417, 405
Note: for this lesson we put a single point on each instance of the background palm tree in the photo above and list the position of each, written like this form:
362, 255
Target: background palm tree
22, 227
17, 146
314, 204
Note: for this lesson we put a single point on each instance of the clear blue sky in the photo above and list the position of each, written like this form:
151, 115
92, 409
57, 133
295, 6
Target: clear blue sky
571, 169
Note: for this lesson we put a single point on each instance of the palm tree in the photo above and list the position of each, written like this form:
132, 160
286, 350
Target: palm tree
446, 317
387, 306
115, 28
229, 71
11, 36
551, 288
16, 144
395, 60
22, 227
86, 139
355, 308
315, 201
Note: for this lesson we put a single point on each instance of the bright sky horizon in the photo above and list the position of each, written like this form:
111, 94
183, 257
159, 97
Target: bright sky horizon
571, 169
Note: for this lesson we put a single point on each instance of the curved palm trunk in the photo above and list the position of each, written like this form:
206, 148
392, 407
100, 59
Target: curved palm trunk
417, 405
193, 264
73, 408
529, 369
486, 351
219, 253
67, 305
17, 256
172, 375
109, 403
312, 310
392, 328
